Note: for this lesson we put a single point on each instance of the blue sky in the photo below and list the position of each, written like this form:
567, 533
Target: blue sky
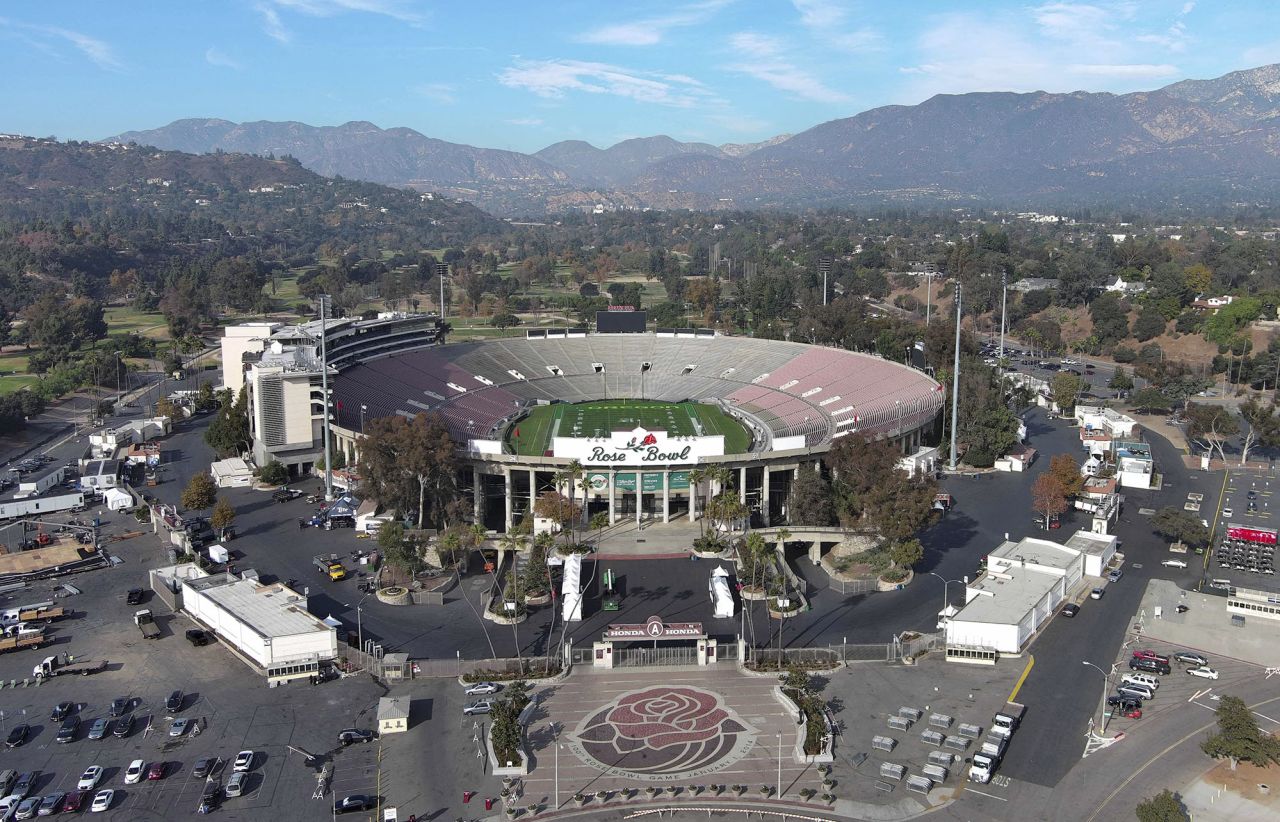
522, 75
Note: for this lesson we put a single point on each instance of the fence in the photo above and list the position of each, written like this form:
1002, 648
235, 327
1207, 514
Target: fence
853, 586
452, 668
645, 657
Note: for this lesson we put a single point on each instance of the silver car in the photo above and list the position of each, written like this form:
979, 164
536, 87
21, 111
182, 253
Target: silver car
237, 783
1191, 658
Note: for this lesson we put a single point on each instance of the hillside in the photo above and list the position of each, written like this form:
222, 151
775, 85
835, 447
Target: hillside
1195, 144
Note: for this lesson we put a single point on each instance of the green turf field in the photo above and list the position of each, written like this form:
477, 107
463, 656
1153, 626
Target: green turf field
600, 418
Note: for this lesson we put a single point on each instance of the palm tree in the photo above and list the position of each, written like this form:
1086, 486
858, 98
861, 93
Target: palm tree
599, 522
696, 477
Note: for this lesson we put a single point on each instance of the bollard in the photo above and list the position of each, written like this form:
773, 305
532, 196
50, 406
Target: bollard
488, 803
466, 796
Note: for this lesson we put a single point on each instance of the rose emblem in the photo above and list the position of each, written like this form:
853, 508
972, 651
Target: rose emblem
664, 732
649, 439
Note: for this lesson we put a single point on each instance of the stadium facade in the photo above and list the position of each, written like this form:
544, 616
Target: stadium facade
792, 401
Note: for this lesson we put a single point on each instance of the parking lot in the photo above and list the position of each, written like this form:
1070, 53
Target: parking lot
1249, 502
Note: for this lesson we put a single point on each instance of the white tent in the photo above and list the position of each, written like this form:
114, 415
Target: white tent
721, 598
332, 621
571, 588
117, 499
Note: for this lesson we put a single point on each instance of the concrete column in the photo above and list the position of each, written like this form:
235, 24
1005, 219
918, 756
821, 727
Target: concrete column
477, 498
692, 492
764, 496
533, 485
510, 490
742, 485
666, 496
613, 514
639, 497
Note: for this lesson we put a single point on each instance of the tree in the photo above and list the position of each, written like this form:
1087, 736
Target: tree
1120, 381
1263, 428
558, 508
410, 465
1110, 318
599, 522
725, 509
166, 408
1239, 738
906, 553
273, 473
1065, 468
1150, 400
1210, 427
229, 430
224, 514
811, 501
1163, 807
1066, 388
200, 492
398, 550
1179, 526
1150, 323
1048, 497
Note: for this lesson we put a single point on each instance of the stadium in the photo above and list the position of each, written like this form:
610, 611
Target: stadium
636, 412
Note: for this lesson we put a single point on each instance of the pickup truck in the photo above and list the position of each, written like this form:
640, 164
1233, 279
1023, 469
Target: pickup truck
146, 622
23, 640
331, 566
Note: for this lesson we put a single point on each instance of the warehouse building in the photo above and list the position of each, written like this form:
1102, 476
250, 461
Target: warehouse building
1025, 583
267, 626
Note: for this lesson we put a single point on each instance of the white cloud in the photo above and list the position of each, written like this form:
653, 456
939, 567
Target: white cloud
215, 57
1124, 70
740, 123
440, 92
525, 121
394, 9
827, 21
764, 58
1055, 47
553, 78
46, 37
272, 25
650, 31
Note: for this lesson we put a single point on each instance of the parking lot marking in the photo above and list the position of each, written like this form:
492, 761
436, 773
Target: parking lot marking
988, 795
1018, 685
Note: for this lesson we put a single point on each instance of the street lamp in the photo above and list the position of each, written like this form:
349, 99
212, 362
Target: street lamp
779, 764
360, 627
946, 586
1106, 686
363, 409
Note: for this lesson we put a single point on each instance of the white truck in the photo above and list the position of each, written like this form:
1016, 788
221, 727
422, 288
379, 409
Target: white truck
1007, 721
39, 506
987, 758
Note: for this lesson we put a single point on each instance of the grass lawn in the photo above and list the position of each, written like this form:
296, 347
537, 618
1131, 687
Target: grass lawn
597, 419
124, 319
16, 382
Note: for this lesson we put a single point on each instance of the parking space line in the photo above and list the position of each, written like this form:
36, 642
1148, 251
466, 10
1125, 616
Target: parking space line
988, 795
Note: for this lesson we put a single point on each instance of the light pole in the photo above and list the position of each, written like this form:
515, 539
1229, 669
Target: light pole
779, 764
557, 775
119, 398
1106, 686
360, 627
946, 586
1004, 301
363, 409
324, 387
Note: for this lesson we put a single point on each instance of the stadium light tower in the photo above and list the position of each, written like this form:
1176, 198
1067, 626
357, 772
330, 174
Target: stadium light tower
955, 379
824, 267
323, 300
442, 271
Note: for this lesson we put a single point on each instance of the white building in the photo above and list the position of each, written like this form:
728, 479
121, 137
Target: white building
100, 475
1108, 420
924, 462
1025, 583
267, 626
231, 473
1134, 467
238, 341
1123, 288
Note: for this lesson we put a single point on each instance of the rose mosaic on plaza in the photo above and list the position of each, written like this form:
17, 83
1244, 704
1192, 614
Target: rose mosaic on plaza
663, 733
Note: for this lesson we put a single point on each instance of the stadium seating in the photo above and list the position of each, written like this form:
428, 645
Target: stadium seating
793, 389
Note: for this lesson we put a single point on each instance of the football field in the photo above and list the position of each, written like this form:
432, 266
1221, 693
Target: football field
531, 435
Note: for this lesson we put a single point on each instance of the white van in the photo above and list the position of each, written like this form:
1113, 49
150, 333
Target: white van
1141, 679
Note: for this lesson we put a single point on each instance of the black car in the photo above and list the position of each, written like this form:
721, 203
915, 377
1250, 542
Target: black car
1154, 666
198, 637
353, 735
118, 707
123, 726
357, 802
1070, 609
174, 702
67, 733
136, 595
204, 767
18, 735
1125, 703
61, 711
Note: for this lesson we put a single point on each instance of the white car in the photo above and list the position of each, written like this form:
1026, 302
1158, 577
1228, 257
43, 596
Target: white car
244, 761
482, 689
1174, 563
133, 775
1203, 671
1226, 512
8, 805
102, 801
89, 779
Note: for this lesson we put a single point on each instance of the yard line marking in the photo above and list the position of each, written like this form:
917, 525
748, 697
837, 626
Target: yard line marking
988, 795
1018, 686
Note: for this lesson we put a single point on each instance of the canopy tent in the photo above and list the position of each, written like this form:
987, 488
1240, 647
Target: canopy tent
571, 588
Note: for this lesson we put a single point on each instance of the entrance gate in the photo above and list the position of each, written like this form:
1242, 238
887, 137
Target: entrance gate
647, 657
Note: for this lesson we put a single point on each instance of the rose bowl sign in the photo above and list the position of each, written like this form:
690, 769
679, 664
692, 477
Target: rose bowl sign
655, 628
637, 447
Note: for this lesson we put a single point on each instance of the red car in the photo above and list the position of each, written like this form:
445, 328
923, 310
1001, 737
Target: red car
1134, 713
1145, 654
75, 801
156, 771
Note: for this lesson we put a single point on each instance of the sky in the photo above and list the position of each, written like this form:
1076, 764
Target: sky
521, 75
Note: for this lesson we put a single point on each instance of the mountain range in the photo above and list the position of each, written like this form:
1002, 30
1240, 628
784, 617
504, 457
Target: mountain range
1193, 144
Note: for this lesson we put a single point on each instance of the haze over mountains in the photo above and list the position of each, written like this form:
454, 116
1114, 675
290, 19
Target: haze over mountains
1192, 144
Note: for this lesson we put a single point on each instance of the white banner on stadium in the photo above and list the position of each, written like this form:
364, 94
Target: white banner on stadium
637, 447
